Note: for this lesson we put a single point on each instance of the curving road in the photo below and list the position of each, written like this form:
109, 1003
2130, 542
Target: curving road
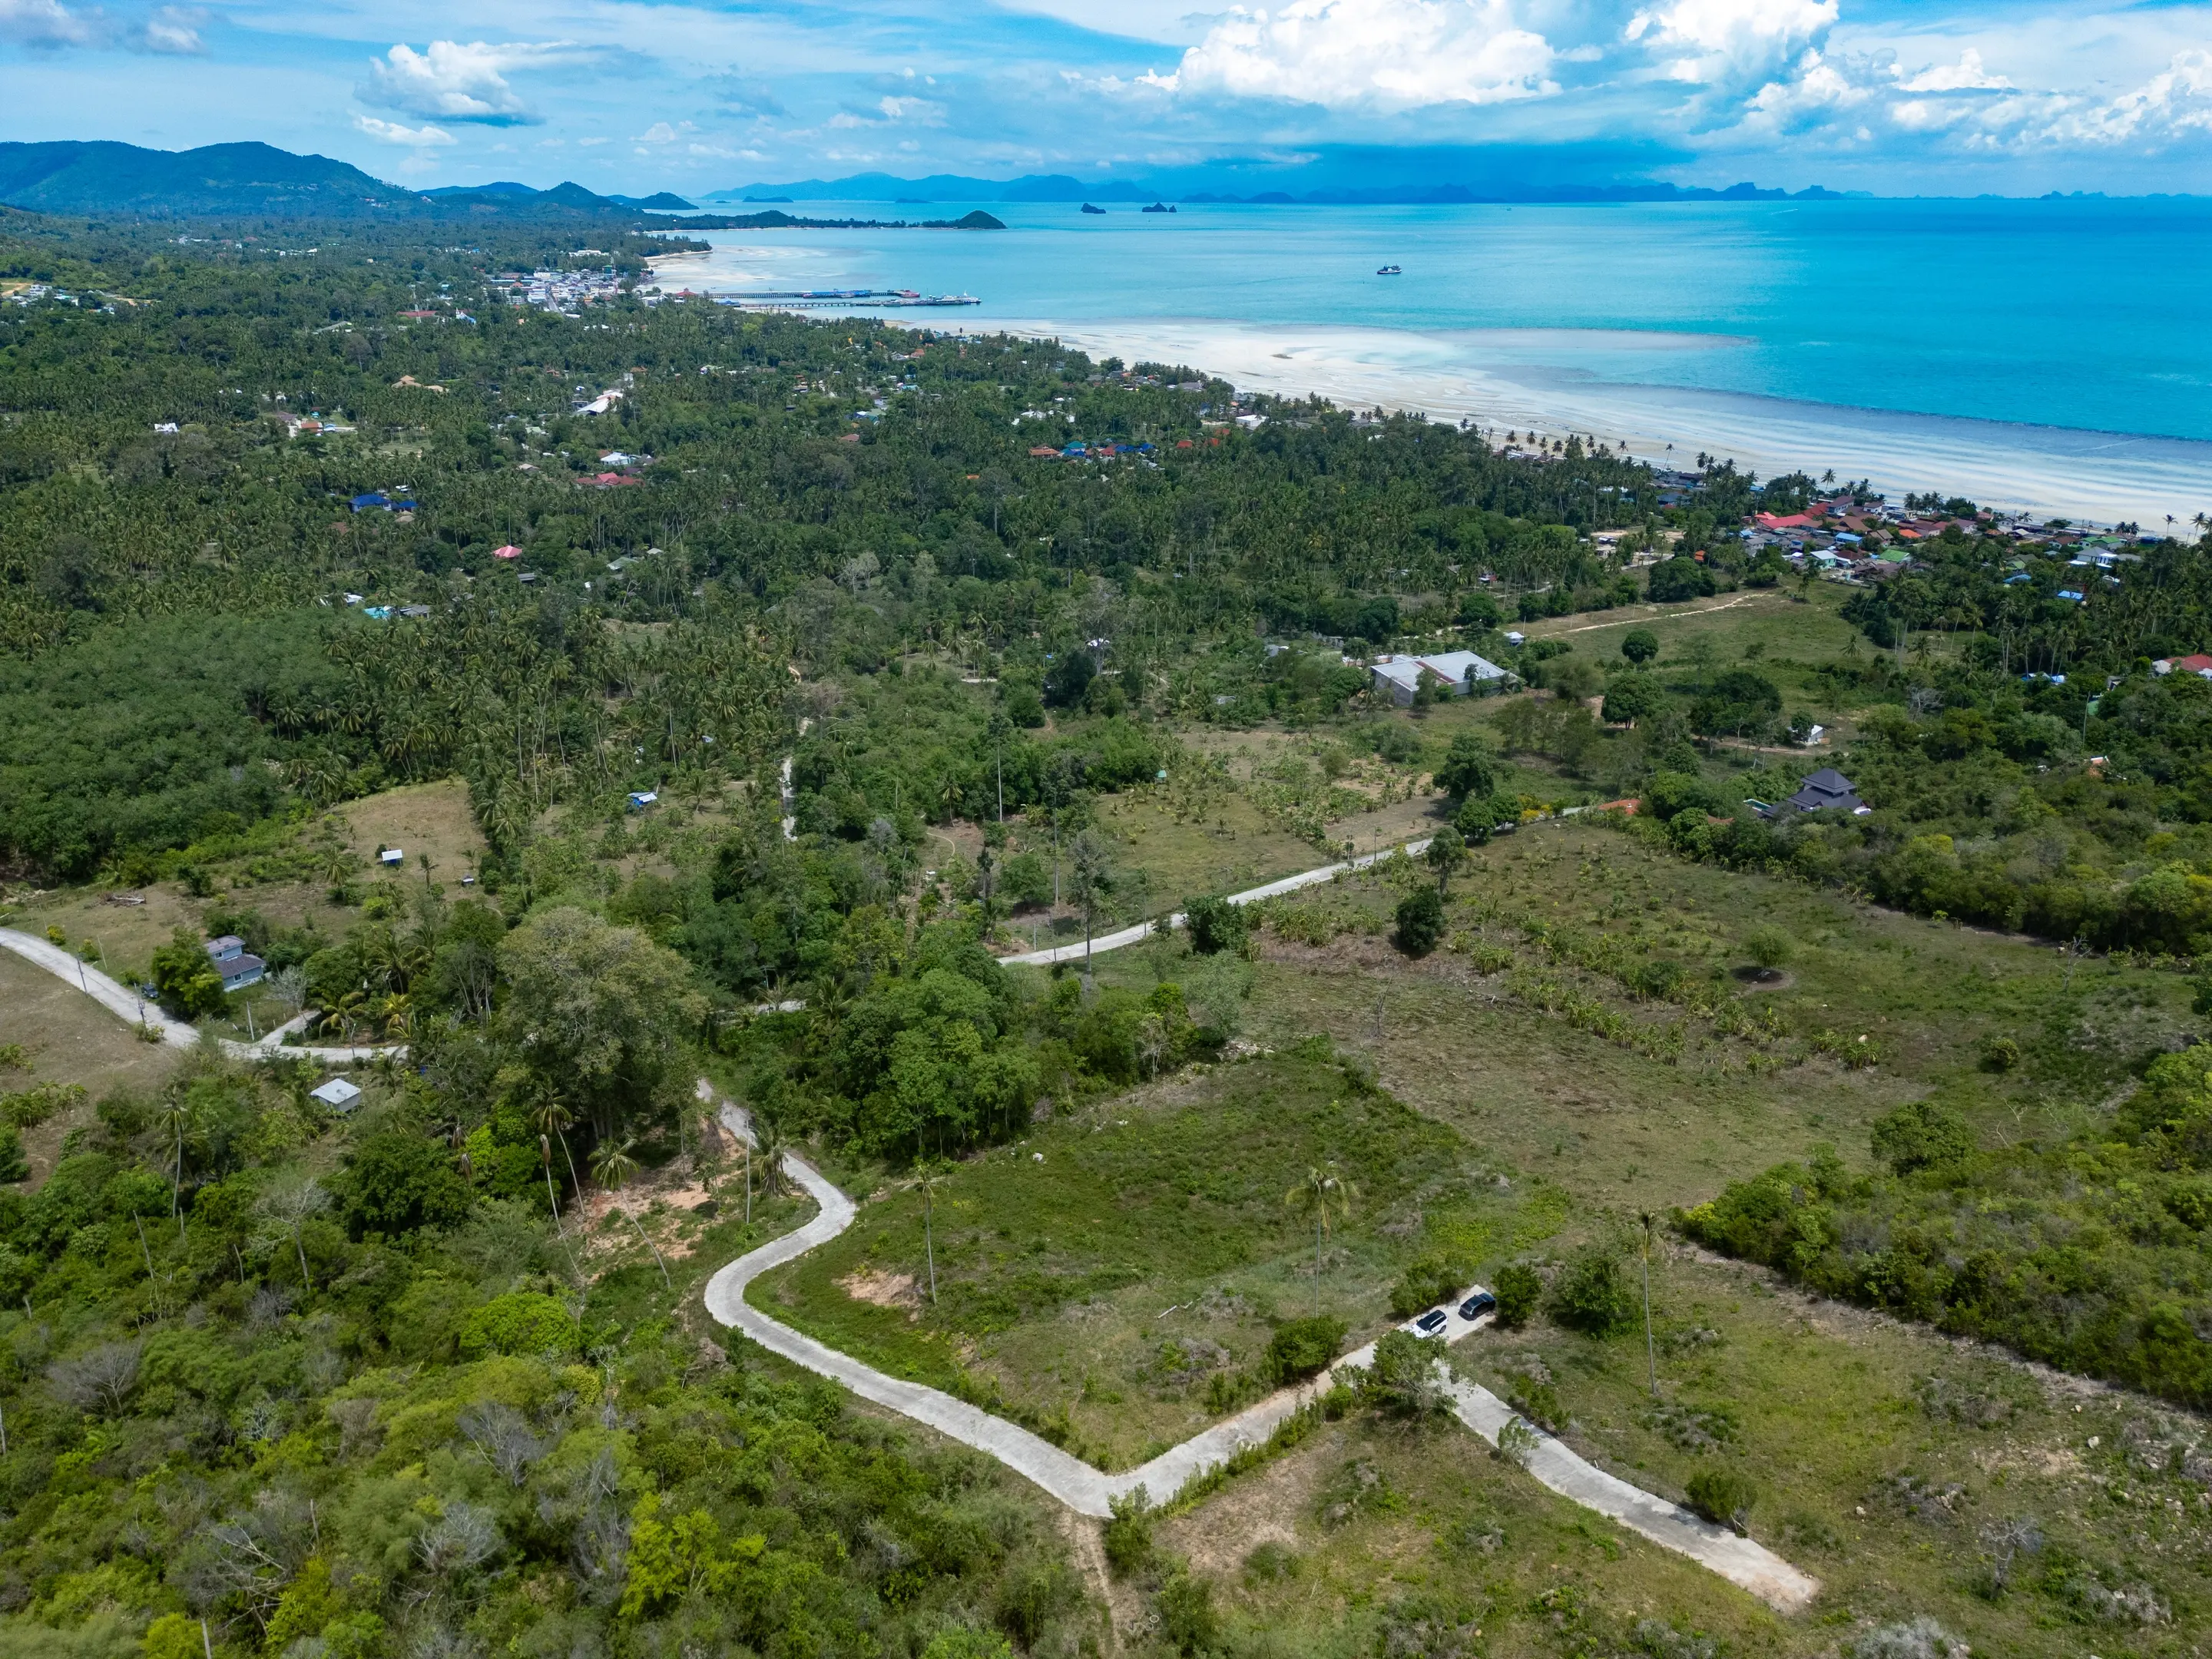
127, 1004
1091, 1491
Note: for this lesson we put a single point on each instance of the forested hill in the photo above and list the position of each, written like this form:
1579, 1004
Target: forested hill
260, 182
194, 435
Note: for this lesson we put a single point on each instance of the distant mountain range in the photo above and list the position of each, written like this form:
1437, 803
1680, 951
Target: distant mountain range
259, 181
1057, 187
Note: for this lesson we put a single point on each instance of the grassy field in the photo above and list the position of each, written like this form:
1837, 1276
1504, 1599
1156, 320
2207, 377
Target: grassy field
1889, 1460
1103, 1273
69, 1038
1887, 1465
422, 820
1463, 1035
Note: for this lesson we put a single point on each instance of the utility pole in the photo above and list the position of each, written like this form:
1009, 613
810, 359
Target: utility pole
1651, 1348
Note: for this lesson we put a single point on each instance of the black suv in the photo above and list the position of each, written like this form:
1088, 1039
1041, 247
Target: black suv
1478, 1304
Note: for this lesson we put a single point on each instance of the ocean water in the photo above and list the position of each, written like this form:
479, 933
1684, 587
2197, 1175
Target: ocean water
2053, 356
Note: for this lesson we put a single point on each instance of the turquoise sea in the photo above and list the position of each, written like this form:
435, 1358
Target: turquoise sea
2051, 355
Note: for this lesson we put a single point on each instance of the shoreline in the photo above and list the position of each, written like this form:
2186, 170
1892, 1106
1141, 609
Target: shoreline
2068, 471
1623, 385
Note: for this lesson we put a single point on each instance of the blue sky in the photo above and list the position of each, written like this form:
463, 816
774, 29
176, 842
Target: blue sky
1934, 97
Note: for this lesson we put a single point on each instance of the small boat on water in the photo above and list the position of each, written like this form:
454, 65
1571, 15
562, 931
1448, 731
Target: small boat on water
1087, 208
1389, 270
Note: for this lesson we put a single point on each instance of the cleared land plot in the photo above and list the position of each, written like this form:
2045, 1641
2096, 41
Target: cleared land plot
1915, 1478
69, 1038
1117, 1295
420, 819
1494, 1034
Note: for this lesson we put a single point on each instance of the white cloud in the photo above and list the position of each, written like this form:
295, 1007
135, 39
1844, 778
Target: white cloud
1967, 75
2171, 104
43, 23
912, 109
390, 132
1392, 54
661, 133
1731, 42
457, 82
171, 31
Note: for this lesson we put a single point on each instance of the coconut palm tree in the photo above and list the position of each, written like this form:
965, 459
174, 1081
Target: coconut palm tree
612, 1167
1329, 1196
770, 1143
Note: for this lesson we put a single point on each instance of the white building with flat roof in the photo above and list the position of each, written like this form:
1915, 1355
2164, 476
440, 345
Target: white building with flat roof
1462, 672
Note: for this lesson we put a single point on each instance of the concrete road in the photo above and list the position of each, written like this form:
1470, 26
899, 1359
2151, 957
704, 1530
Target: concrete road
1091, 1491
127, 1004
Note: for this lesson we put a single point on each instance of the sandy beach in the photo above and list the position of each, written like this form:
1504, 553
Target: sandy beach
1656, 391
2105, 478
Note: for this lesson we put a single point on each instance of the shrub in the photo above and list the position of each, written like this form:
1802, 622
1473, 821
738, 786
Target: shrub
1426, 1283
1402, 1381
1593, 1296
1518, 1289
1681, 578
1722, 1495
13, 1165
1420, 922
1301, 1347
1470, 769
1216, 925
521, 1322
1999, 1054
1922, 1134
1478, 821
1768, 946
1539, 1402
1639, 646
185, 979
395, 1182
1187, 1616
1129, 1533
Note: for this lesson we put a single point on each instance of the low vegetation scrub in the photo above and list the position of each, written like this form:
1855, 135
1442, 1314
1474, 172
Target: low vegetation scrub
2087, 1256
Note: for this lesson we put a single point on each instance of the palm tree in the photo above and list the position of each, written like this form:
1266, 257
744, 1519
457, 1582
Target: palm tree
612, 1166
929, 1175
178, 1116
1327, 1194
770, 1143
552, 1118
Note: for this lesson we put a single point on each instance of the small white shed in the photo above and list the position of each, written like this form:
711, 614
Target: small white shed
338, 1094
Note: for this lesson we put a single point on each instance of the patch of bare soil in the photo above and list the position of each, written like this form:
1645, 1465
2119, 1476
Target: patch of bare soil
677, 1190
1262, 1508
883, 1290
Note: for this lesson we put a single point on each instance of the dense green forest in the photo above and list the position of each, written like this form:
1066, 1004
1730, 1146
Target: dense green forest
294, 516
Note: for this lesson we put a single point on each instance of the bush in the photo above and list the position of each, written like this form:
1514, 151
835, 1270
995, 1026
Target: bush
1402, 1381
1470, 769
1477, 820
1187, 1616
1420, 922
1768, 946
521, 1322
1426, 1283
1518, 1289
1216, 926
1301, 1347
1539, 1402
1922, 1134
1633, 697
13, 1165
185, 979
395, 1182
1681, 578
1593, 1296
1999, 1054
1723, 1495
1672, 794
1129, 1533
1639, 646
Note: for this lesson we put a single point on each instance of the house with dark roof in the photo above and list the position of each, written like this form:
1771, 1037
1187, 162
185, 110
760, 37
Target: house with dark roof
1824, 789
238, 967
